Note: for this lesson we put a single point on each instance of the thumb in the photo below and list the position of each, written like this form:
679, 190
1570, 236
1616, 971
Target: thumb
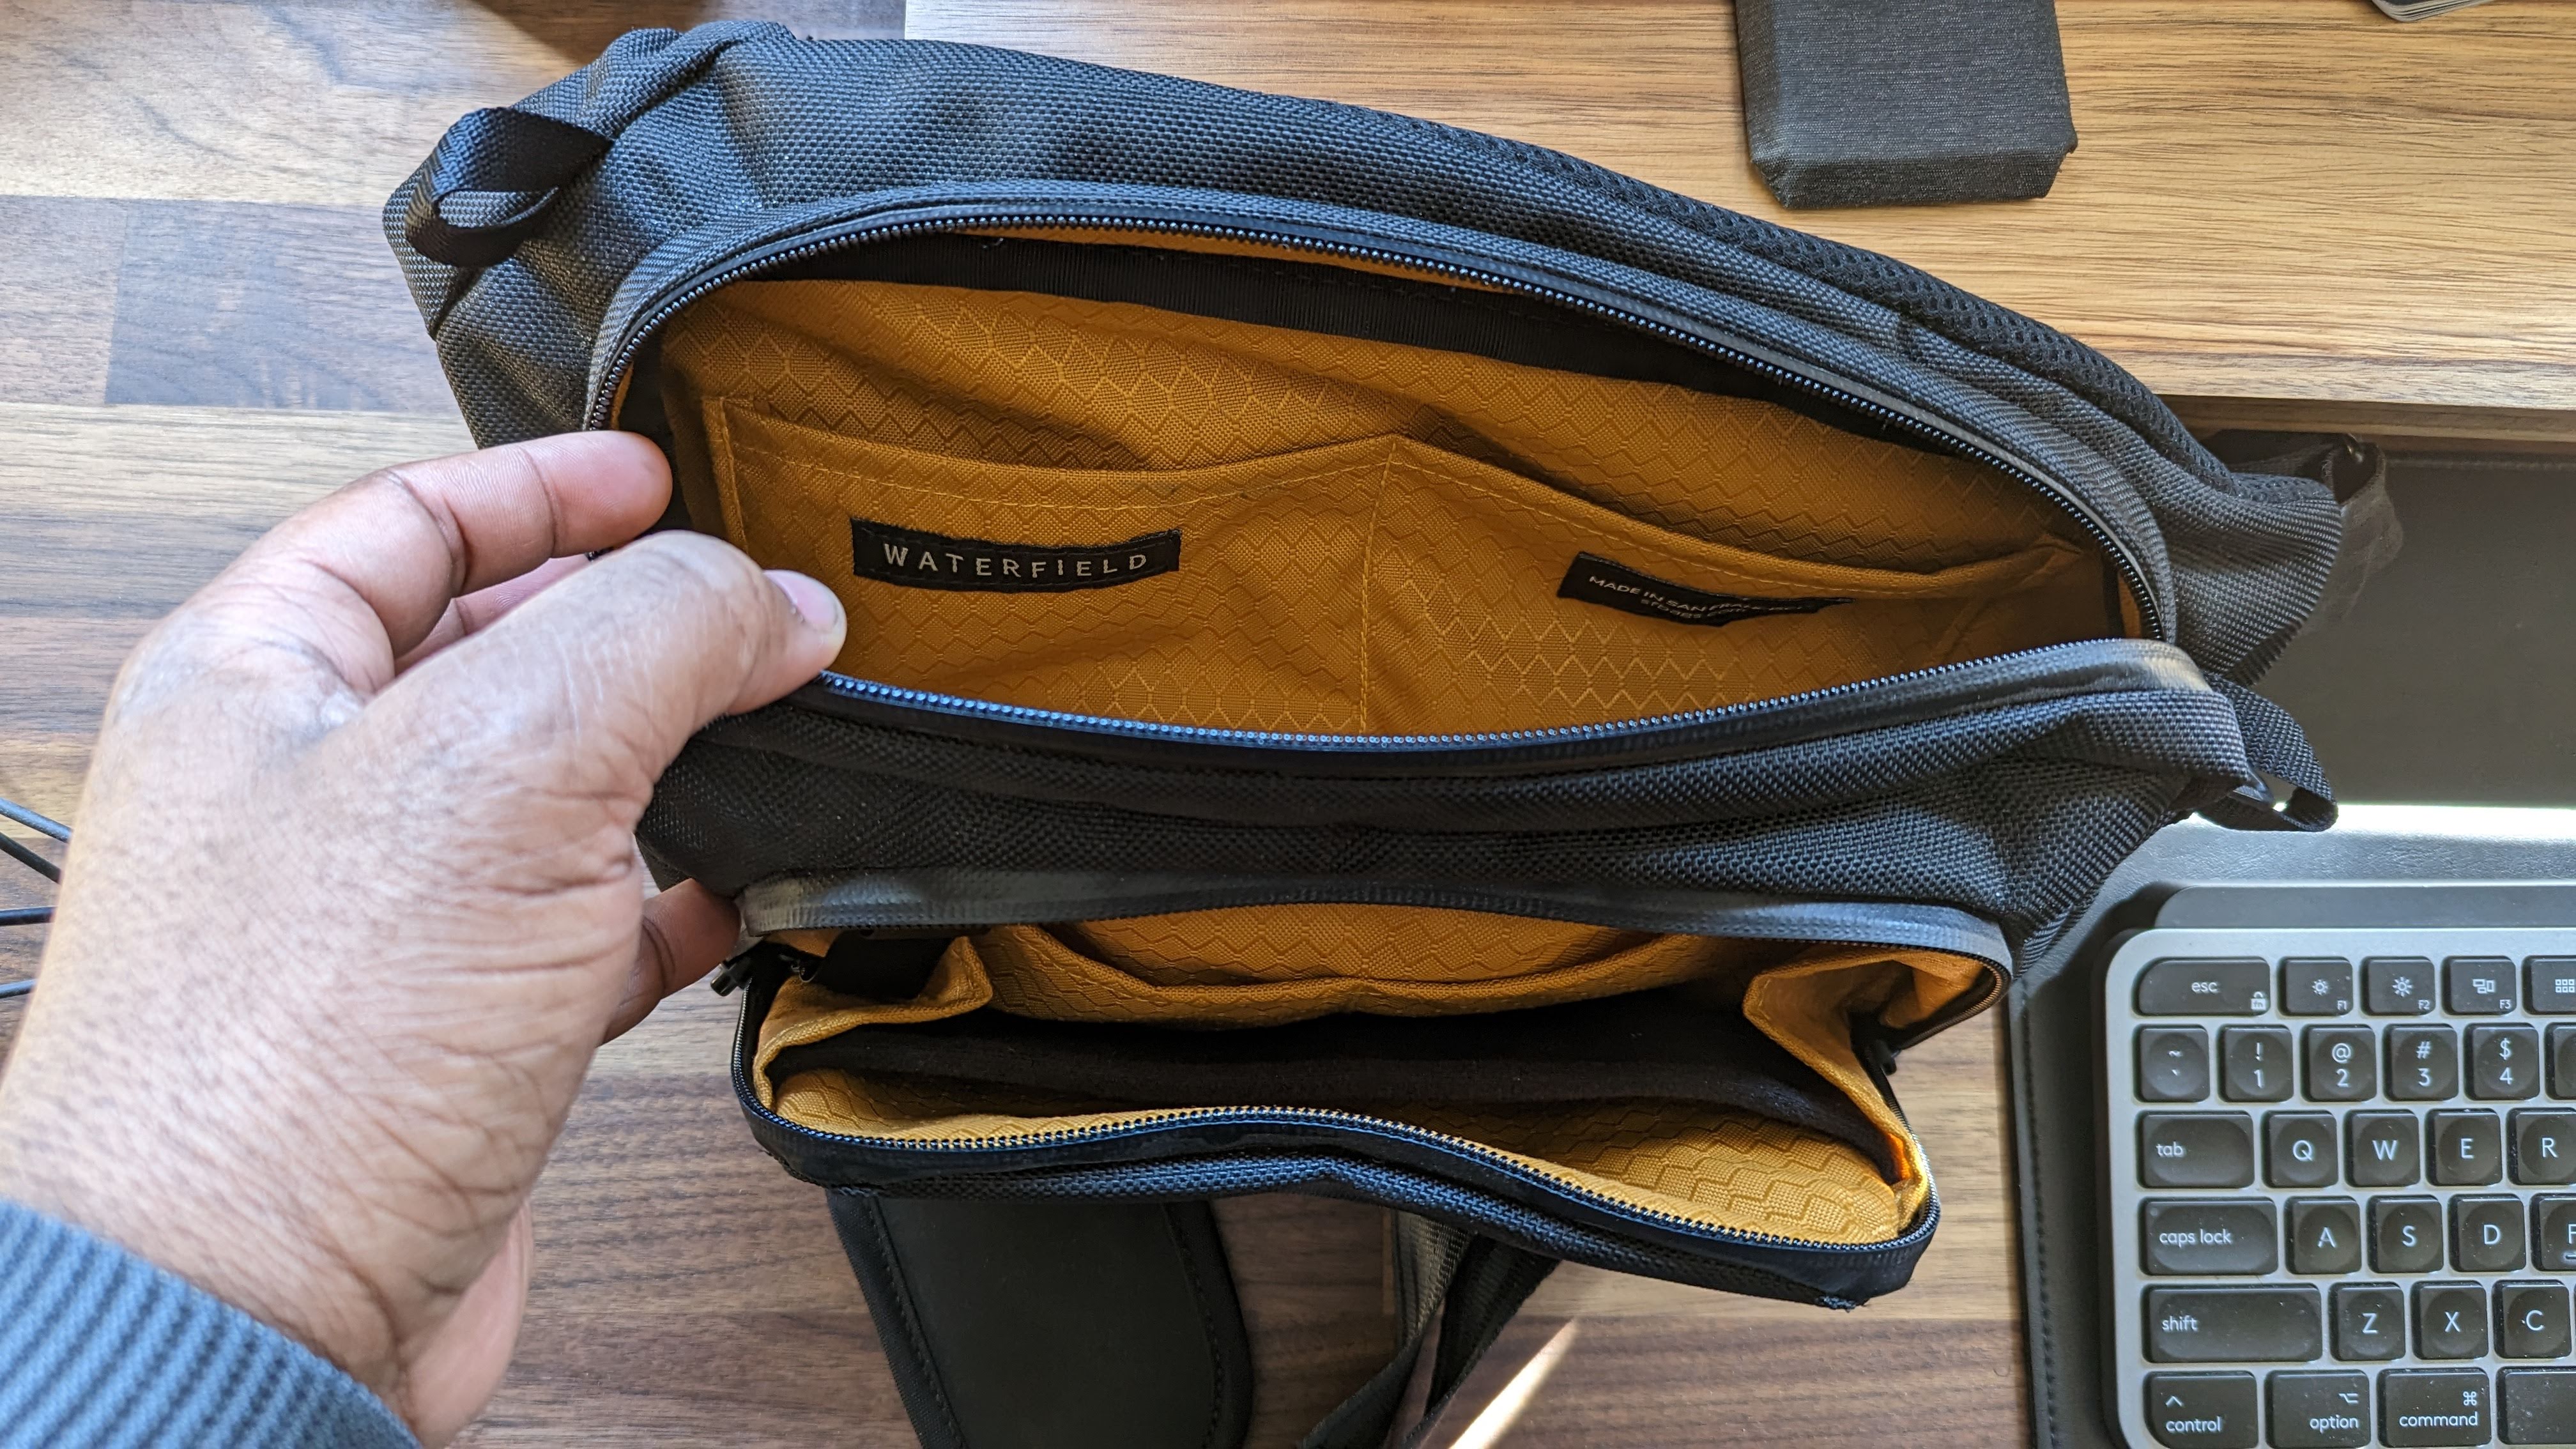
599, 680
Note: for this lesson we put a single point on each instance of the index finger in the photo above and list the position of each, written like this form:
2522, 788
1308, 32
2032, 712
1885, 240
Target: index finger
375, 565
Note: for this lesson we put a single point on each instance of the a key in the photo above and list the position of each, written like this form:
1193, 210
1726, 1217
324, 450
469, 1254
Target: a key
2537, 1405
2544, 1146
2254, 1063
2405, 1234
2202, 1411
2467, 1148
2321, 986
2343, 1063
2531, 1320
2504, 1063
2423, 1063
2562, 1060
2234, 1325
2213, 1236
2486, 1234
2173, 1063
2420, 1407
2195, 1149
2179, 986
2369, 1322
2450, 1320
2549, 986
2325, 1235
2553, 1234
2382, 1149
2397, 985
2313, 1410
2298, 1149
2478, 985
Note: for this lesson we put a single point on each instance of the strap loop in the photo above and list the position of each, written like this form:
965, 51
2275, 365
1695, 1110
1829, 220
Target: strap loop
517, 159
2279, 751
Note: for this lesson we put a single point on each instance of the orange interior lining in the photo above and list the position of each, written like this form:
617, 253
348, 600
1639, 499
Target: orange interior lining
1711, 1165
1372, 539
1372, 535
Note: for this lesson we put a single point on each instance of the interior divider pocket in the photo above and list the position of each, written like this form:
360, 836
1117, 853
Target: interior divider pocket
1376, 586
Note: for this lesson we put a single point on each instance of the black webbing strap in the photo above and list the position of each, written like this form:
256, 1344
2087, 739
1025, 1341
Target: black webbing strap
1470, 1287
2279, 751
502, 167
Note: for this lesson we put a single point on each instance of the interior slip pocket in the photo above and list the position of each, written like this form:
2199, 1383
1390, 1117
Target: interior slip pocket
1376, 586
1731, 1103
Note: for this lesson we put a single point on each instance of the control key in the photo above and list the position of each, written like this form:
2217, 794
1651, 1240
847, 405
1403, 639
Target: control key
2212, 1411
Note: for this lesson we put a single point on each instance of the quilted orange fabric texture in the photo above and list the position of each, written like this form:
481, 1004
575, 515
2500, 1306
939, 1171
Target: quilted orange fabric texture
1372, 539
1372, 536
1708, 1164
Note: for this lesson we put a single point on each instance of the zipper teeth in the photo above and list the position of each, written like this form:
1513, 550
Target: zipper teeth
2148, 611
1329, 1116
869, 689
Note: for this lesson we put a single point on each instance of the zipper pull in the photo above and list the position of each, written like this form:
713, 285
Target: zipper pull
746, 966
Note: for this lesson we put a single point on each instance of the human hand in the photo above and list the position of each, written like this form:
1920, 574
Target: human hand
354, 895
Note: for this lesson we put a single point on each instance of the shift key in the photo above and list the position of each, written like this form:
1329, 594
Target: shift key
2234, 1325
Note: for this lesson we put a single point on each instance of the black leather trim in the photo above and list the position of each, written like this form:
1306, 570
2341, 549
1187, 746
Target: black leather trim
1054, 1325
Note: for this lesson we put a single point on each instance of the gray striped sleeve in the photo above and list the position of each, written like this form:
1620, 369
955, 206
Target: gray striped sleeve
98, 1347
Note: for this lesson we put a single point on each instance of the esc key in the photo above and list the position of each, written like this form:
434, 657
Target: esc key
2205, 986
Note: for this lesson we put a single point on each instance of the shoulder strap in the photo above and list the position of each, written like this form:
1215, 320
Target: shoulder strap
1052, 1324
1469, 1286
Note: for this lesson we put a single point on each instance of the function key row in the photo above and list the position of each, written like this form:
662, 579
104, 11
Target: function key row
2423, 1062
2466, 1147
2389, 986
2231, 1237
2330, 1409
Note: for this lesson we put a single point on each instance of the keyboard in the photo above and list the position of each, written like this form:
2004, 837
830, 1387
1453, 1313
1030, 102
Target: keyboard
2341, 1185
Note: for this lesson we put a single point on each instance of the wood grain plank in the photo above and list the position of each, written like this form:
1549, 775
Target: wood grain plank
2272, 198
115, 514
58, 296
307, 101
232, 304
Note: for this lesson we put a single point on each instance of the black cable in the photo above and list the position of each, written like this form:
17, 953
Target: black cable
30, 859
42, 824
28, 915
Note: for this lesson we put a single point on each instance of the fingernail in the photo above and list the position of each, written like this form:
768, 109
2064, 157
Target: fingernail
817, 605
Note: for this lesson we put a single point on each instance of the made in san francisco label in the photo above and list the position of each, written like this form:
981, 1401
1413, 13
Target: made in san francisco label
922, 560
1597, 580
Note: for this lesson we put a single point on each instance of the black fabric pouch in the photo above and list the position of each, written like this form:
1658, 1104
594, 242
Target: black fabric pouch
1383, 662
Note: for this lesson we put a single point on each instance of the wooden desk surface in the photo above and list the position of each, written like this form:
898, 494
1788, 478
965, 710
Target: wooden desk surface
200, 331
2281, 212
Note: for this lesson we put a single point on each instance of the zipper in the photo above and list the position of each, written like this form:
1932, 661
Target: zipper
1828, 701
1159, 1120
707, 278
